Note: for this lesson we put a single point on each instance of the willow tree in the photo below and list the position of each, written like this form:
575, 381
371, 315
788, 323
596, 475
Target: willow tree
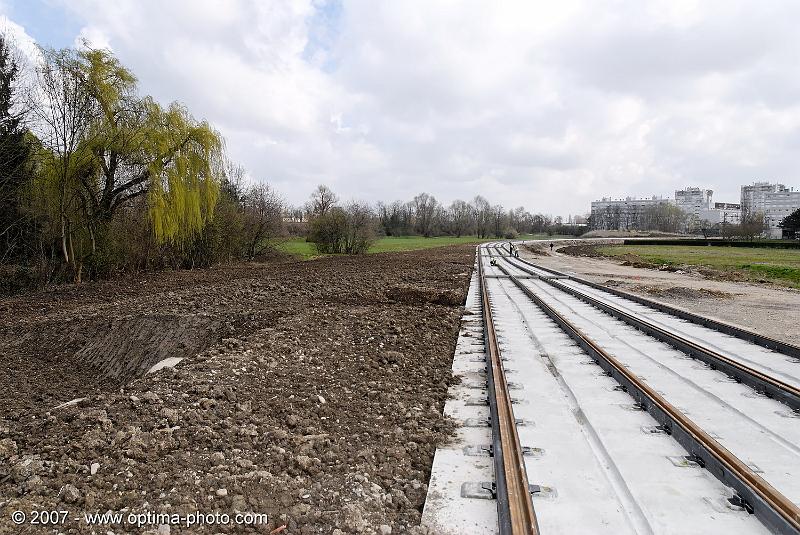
118, 146
141, 148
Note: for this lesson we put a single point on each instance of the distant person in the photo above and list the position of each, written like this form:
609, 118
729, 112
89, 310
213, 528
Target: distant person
551, 247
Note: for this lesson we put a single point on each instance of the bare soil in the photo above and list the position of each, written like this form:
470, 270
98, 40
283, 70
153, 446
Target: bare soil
311, 391
629, 234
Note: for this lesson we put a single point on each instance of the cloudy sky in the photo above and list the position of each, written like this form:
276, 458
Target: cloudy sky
544, 104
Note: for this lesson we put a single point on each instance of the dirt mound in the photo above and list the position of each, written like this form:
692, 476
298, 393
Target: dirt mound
670, 292
316, 400
581, 250
414, 295
682, 292
537, 249
627, 234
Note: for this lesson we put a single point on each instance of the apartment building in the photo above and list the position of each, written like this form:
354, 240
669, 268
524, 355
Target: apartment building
754, 197
694, 200
623, 214
778, 205
773, 201
724, 213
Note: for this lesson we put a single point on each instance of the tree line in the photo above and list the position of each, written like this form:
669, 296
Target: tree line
425, 216
666, 217
352, 227
662, 216
96, 178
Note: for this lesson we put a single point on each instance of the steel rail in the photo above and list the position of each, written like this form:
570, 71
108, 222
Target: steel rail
515, 513
758, 380
738, 332
755, 494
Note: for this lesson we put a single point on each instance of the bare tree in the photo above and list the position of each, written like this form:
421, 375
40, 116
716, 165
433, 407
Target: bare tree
349, 230
483, 216
498, 219
263, 217
63, 111
424, 207
322, 200
754, 224
461, 217
360, 229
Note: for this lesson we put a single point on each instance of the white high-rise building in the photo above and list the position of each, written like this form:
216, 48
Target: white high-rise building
773, 201
622, 214
694, 200
754, 197
778, 205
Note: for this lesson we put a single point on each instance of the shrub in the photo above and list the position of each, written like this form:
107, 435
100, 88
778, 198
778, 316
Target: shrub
349, 230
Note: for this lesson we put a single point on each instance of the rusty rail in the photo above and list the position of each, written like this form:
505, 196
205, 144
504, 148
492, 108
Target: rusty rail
756, 495
515, 513
732, 330
758, 380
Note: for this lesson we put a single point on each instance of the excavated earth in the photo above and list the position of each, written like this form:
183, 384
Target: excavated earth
310, 391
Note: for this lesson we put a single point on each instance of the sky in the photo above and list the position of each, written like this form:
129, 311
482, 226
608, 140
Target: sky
547, 105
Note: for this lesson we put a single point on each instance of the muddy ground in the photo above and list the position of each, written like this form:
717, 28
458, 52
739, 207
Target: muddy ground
311, 391
766, 308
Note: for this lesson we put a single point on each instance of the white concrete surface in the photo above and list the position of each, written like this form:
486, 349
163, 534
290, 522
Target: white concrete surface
608, 472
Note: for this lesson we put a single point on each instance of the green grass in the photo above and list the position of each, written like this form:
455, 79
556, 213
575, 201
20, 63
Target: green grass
297, 246
412, 243
393, 244
778, 265
300, 247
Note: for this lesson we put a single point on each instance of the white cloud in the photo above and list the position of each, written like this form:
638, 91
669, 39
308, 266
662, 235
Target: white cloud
20, 38
544, 104
94, 37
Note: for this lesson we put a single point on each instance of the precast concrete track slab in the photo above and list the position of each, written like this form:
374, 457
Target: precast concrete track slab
601, 457
766, 370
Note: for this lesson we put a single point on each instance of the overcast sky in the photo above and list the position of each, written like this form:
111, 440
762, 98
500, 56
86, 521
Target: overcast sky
538, 103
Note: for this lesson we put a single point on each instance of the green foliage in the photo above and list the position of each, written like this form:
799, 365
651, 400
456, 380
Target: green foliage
103, 147
184, 172
328, 231
348, 230
140, 147
16, 227
791, 223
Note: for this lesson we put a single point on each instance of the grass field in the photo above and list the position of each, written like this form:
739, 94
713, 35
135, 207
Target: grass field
300, 247
777, 265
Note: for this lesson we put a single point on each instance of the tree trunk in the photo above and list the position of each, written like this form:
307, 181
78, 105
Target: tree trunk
64, 239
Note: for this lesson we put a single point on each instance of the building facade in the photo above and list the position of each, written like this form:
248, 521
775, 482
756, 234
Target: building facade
772, 201
777, 206
754, 197
694, 200
723, 213
623, 214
